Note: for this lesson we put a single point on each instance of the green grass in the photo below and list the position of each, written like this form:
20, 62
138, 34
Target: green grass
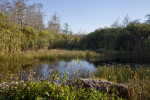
139, 78
49, 90
54, 54
46, 91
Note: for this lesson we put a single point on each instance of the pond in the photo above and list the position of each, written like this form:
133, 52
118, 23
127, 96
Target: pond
39, 70
77, 68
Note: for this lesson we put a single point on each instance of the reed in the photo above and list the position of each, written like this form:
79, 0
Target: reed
54, 54
139, 78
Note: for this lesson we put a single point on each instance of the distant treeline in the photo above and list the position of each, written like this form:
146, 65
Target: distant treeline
15, 39
22, 29
133, 39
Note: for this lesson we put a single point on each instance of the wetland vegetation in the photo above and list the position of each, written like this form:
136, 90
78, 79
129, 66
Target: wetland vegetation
37, 62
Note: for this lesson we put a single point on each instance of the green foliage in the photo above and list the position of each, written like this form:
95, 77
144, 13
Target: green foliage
45, 39
50, 55
47, 91
14, 38
134, 39
10, 35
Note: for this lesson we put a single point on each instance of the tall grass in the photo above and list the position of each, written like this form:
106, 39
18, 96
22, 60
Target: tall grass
139, 79
54, 54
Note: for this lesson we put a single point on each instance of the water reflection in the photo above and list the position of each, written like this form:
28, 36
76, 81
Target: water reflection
46, 70
36, 70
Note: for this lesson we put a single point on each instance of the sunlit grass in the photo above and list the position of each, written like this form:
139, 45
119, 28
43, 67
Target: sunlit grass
139, 78
54, 54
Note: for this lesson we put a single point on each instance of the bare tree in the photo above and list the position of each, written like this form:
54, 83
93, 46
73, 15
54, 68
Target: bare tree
66, 28
40, 17
34, 16
126, 20
116, 23
148, 19
18, 11
3, 5
136, 21
24, 14
54, 24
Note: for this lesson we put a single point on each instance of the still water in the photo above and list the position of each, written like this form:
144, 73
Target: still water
45, 70
73, 68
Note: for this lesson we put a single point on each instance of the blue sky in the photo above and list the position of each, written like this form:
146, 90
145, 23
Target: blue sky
89, 15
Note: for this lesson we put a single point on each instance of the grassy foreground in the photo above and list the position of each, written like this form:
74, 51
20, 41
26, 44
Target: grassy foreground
46, 91
49, 90
139, 78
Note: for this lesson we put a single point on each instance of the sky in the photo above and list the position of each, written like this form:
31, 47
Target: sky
89, 15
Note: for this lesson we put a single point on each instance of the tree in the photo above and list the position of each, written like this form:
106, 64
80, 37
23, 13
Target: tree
3, 5
116, 23
66, 28
34, 16
126, 20
54, 24
18, 11
40, 17
148, 19
136, 21
10, 34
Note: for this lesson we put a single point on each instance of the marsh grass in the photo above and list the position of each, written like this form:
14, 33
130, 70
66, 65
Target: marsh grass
54, 54
67, 54
139, 79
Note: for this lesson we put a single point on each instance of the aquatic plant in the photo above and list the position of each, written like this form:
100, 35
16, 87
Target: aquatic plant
50, 90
